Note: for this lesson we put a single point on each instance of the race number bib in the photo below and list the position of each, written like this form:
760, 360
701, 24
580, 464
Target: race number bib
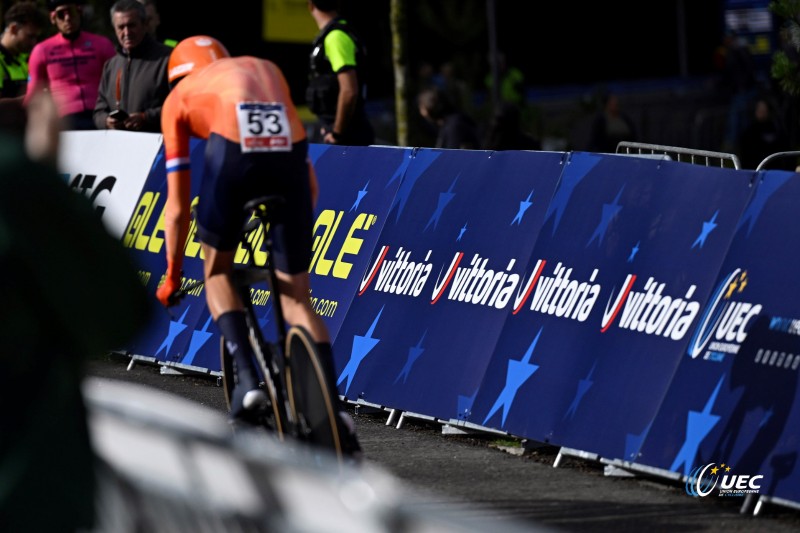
263, 127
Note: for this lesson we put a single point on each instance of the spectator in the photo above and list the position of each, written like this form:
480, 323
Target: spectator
455, 129
24, 22
739, 85
69, 64
611, 126
456, 88
154, 21
135, 80
337, 84
762, 137
511, 82
506, 133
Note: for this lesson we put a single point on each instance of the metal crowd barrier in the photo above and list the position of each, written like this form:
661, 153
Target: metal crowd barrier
685, 155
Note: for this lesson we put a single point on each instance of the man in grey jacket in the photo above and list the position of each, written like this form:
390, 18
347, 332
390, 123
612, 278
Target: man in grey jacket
134, 83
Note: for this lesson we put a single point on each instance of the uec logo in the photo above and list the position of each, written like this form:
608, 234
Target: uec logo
703, 480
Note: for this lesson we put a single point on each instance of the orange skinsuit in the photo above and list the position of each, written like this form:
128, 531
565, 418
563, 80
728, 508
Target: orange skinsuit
205, 102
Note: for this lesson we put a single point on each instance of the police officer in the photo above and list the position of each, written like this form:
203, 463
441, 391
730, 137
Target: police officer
337, 87
24, 23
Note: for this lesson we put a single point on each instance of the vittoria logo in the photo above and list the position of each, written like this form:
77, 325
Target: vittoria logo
651, 310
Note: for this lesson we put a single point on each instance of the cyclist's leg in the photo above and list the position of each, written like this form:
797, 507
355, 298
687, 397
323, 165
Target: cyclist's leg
294, 290
292, 255
220, 217
228, 313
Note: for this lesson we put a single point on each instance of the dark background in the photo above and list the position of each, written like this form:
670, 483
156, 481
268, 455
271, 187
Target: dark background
552, 42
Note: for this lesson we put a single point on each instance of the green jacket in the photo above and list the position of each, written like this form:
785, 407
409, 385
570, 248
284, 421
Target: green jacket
13, 73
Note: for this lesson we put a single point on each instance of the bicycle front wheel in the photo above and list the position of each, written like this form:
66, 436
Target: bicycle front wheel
313, 404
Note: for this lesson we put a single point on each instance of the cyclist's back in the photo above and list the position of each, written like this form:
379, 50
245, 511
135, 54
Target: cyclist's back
208, 102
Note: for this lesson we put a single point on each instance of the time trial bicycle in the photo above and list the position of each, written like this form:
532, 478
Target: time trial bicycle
301, 402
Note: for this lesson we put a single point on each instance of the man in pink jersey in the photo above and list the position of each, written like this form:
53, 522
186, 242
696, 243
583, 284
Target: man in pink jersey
70, 65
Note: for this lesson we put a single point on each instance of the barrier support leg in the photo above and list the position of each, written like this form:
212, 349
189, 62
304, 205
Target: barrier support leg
392, 417
747, 504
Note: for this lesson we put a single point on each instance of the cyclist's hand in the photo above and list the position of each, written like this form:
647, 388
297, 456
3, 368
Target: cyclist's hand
166, 292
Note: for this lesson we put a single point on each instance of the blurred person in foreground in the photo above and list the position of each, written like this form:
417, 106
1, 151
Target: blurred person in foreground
24, 22
255, 146
134, 82
70, 292
337, 84
69, 64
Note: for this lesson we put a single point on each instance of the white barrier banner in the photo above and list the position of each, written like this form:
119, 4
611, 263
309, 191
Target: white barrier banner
110, 167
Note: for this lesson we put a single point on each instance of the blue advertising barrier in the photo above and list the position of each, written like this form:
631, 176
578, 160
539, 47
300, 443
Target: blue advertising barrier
355, 193
626, 259
357, 188
168, 337
733, 400
638, 309
443, 278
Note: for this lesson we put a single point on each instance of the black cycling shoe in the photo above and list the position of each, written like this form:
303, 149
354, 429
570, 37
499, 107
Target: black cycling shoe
247, 398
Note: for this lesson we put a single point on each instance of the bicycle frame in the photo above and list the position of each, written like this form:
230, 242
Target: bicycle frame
248, 276
298, 408
243, 279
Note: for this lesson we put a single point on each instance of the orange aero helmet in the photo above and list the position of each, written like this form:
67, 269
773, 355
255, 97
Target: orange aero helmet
192, 53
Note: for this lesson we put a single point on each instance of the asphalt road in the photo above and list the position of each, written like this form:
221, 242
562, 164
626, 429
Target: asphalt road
476, 475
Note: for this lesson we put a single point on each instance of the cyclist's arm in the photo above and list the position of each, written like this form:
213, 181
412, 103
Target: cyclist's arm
178, 207
176, 213
313, 184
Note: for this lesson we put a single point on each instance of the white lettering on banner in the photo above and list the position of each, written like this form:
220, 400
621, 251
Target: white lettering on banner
725, 321
651, 311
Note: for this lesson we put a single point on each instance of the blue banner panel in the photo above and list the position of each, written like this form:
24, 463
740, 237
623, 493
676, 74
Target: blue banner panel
443, 277
357, 187
178, 334
734, 398
624, 263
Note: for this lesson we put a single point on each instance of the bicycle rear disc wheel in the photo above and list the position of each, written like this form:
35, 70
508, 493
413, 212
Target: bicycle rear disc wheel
313, 404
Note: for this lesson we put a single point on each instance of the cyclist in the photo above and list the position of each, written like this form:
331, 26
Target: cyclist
256, 146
